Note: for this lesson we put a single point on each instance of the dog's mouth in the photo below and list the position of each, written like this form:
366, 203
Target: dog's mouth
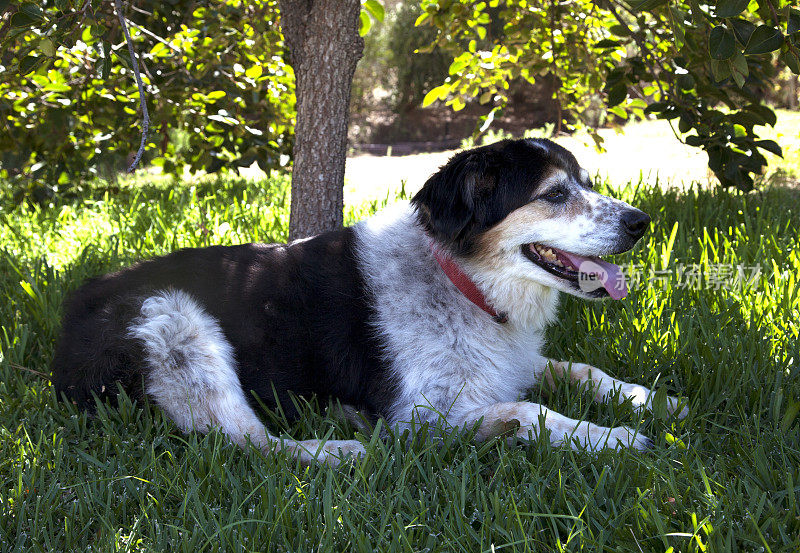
590, 274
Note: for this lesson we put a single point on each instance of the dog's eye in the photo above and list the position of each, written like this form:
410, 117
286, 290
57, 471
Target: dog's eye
556, 195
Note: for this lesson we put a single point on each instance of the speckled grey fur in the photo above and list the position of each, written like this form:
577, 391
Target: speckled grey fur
448, 355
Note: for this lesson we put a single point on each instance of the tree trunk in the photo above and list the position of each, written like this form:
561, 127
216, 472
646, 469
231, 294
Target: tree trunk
324, 48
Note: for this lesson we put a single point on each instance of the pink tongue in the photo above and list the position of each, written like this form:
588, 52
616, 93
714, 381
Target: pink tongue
610, 275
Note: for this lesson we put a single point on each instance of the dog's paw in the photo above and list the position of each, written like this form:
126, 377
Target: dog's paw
617, 438
677, 407
331, 452
673, 406
644, 401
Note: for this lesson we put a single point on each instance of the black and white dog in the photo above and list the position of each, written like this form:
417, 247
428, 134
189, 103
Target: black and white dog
431, 309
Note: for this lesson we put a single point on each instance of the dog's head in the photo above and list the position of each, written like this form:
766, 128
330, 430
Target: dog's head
527, 209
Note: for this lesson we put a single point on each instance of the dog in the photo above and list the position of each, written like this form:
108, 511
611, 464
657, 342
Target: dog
431, 309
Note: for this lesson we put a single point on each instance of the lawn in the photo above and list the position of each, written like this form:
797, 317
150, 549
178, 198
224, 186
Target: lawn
726, 478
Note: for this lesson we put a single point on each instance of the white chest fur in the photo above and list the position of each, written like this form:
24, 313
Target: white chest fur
447, 355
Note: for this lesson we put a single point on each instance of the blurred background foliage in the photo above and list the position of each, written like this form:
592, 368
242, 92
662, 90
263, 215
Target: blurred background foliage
218, 89
221, 95
707, 67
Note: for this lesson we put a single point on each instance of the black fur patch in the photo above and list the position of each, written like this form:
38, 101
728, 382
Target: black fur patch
478, 188
298, 317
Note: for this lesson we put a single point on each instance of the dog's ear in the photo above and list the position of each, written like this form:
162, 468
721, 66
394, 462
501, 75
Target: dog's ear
447, 203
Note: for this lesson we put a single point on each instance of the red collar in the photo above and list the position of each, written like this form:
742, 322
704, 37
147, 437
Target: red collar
464, 284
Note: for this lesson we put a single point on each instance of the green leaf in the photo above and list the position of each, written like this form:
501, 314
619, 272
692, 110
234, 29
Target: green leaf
738, 78
763, 112
365, 23
375, 9
619, 111
607, 43
215, 95
57, 87
764, 39
458, 64
124, 57
47, 48
678, 25
616, 95
106, 71
253, 72
770, 146
731, 8
694, 140
791, 61
684, 124
32, 10
740, 64
159, 50
97, 30
619, 30
793, 21
438, 93
656, 107
28, 64
457, 104
685, 81
22, 20
721, 70
721, 43
739, 69
743, 30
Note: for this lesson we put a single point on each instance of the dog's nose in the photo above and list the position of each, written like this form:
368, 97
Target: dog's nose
635, 223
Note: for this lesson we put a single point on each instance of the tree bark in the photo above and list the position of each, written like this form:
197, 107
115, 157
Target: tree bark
324, 48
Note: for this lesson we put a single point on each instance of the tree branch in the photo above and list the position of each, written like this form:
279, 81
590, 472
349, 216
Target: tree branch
40, 374
142, 102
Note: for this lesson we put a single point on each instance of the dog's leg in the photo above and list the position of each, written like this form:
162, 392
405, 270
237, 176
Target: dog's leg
605, 386
523, 419
190, 372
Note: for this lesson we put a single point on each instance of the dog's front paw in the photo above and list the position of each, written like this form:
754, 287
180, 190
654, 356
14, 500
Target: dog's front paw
673, 406
643, 399
677, 407
331, 452
616, 438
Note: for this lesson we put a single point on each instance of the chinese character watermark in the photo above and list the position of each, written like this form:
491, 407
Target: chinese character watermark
696, 276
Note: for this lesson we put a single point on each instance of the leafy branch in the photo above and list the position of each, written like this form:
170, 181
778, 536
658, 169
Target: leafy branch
142, 102
702, 65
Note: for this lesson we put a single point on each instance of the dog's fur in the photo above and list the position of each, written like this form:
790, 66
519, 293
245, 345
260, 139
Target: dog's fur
366, 314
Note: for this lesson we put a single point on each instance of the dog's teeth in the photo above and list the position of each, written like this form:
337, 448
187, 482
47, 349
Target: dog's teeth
546, 253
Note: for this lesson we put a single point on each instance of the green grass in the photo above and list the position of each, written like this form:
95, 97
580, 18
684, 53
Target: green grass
727, 478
